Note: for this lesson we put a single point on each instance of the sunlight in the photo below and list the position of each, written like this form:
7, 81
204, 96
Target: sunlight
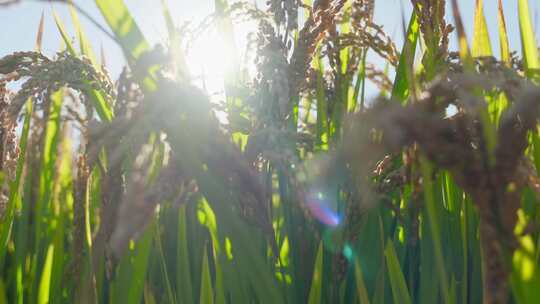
213, 61
209, 60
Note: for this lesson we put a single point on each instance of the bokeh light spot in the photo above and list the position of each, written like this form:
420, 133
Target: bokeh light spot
348, 252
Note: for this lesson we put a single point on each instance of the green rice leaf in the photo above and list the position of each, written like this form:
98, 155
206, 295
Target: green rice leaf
84, 44
164, 269
360, 284
124, 27
169, 22
129, 283
481, 45
315, 292
206, 296
525, 278
464, 52
3, 294
45, 281
251, 264
429, 194
48, 167
503, 35
39, 36
528, 40
131, 39
226, 29
402, 81
101, 105
183, 281
397, 280
207, 213
64, 34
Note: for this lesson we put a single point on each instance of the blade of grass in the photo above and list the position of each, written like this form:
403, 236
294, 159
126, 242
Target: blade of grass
101, 105
464, 52
481, 45
528, 40
183, 276
45, 281
360, 284
131, 39
465, 249
180, 69
525, 278
64, 34
61, 201
206, 296
124, 27
503, 35
3, 295
227, 32
397, 280
359, 85
315, 292
39, 37
84, 44
129, 283
430, 202
148, 296
43, 212
161, 256
402, 81
207, 214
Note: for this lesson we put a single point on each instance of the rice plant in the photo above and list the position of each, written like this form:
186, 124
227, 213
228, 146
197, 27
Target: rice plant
291, 186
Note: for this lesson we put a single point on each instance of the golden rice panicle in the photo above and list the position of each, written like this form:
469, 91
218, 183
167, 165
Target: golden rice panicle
366, 33
9, 151
435, 30
316, 26
43, 75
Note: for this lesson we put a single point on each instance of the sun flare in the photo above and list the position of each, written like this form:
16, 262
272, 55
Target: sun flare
212, 58
208, 60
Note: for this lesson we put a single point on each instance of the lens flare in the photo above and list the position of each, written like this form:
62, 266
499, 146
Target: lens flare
348, 252
319, 210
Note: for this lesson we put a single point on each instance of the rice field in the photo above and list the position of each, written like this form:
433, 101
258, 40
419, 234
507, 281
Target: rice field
292, 185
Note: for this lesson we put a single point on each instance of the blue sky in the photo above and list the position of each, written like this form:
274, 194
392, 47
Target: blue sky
19, 23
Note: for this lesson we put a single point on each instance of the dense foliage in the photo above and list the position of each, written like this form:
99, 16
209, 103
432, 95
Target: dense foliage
133, 190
